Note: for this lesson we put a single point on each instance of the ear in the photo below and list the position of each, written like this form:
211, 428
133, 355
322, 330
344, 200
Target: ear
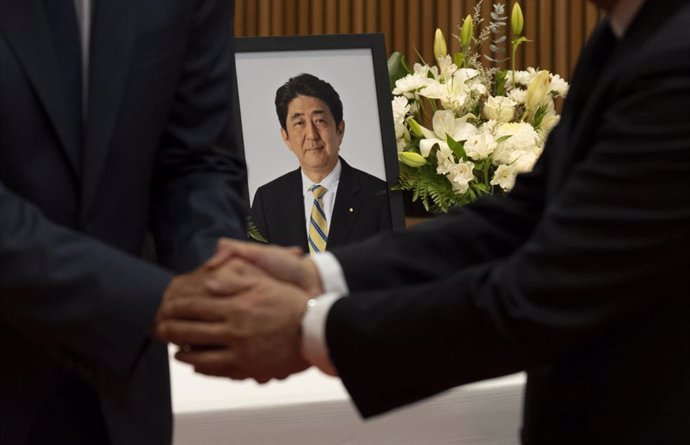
284, 135
340, 131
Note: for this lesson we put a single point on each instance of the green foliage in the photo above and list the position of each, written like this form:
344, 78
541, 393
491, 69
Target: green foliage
457, 148
500, 83
397, 68
435, 191
253, 232
539, 115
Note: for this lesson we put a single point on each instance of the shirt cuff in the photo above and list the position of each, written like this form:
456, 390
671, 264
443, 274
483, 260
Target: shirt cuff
331, 273
314, 347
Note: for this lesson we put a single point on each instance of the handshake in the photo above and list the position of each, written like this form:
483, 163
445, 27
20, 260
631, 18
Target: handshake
239, 315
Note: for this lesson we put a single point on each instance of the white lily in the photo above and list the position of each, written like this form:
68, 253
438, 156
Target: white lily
538, 91
444, 123
446, 68
453, 95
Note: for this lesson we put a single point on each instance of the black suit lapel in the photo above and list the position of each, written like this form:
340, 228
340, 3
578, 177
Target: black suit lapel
113, 32
25, 25
293, 210
345, 209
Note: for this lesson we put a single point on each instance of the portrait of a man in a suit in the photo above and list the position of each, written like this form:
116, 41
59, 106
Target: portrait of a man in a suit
325, 202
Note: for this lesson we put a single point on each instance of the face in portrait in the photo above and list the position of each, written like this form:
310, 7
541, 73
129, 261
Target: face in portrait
312, 133
310, 113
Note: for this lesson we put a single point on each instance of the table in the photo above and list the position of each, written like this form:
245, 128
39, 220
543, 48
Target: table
312, 408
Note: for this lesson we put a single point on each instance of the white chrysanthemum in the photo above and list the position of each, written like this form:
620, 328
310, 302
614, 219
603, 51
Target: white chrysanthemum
558, 86
401, 145
480, 146
521, 77
402, 136
524, 161
518, 95
499, 108
522, 138
410, 84
414, 108
401, 107
459, 174
444, 123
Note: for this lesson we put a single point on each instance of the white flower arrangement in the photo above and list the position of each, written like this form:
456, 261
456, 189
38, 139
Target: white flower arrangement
487, 125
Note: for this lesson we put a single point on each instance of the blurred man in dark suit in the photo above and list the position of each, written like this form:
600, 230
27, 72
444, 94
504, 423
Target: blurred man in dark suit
577, 277
114, 120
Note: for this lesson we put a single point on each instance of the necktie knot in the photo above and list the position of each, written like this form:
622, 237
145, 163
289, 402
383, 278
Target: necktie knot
318, 190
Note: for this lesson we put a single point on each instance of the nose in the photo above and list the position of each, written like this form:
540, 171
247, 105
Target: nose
312, 132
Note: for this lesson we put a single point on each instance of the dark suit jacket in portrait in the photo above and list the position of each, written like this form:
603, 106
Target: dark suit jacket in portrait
76, 301
579, 276
361, 209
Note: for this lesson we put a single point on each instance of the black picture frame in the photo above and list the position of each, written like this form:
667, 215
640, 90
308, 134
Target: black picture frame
262, 64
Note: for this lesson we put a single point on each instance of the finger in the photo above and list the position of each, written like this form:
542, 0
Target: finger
295, 251
218, 363
193, 333
200, 309
225, 249
234, 277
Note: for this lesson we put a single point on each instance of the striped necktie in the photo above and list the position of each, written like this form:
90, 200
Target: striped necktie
318, 226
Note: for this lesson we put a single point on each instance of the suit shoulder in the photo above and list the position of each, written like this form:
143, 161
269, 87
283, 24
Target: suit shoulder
279, 184
367, 179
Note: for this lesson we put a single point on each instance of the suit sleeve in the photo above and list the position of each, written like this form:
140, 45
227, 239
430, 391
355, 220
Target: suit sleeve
200, 170
612, 248
65, 291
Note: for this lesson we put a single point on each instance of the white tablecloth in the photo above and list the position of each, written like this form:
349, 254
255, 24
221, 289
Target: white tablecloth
311, 408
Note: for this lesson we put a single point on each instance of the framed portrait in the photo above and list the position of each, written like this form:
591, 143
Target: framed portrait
355, 66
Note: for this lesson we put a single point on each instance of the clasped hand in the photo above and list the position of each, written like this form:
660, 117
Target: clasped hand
239, 315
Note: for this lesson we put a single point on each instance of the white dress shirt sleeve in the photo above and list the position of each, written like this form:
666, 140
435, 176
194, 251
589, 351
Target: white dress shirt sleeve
314, 347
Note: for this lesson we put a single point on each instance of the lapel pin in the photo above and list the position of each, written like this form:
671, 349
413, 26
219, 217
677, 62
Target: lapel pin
351, 210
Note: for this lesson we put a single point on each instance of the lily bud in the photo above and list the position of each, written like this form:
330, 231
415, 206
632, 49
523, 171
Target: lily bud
412, 159
467, 31
537, 90
517, 20
415, 128
440, 49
